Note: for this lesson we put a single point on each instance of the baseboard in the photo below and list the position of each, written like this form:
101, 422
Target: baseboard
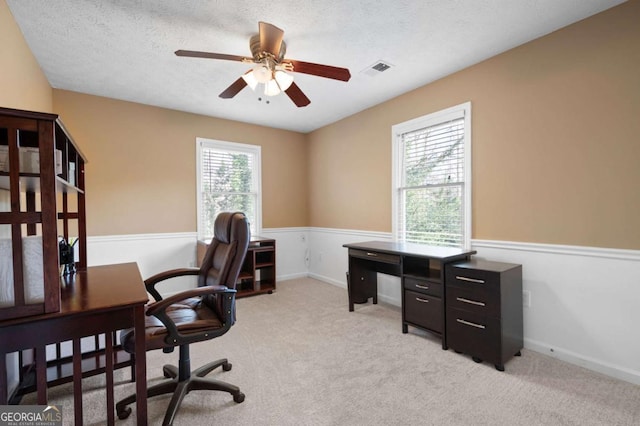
591, 364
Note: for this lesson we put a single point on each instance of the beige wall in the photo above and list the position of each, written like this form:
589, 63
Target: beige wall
555, 140
141, 174
556, 145
23, 85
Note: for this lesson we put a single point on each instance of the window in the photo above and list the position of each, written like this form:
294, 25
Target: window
228, 176
432, 178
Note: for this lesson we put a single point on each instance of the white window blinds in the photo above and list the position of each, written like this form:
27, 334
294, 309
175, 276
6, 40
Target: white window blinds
431, 185
228, 180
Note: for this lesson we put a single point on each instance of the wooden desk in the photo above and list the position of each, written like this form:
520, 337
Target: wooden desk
422, 273
101, 299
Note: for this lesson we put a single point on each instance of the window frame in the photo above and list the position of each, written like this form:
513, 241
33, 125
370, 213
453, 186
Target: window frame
256, 151
458, 111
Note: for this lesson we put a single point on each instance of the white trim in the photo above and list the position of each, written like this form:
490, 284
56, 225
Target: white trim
257, 174
616, 371
462, 110
284, 230
607, 253
141, 237
354, 232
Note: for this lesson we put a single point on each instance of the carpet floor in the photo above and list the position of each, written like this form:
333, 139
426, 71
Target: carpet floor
302, 359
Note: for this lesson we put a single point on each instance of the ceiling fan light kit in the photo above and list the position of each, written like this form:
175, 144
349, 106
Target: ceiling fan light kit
273, 70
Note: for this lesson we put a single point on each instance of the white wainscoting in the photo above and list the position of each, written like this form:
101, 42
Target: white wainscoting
584, 301
155, 253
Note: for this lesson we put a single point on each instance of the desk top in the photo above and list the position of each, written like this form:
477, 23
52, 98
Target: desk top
98, 289
412, 249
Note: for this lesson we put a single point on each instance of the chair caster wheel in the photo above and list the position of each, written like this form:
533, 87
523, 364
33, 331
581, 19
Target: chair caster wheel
124, 413
239, 397
476, 359
227, 366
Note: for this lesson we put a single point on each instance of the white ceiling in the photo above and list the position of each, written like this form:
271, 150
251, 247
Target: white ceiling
123, 49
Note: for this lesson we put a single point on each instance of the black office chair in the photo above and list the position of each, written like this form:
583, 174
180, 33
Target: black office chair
194, 315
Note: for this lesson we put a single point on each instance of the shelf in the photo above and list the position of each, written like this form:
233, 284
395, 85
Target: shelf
46, 167
30, 182
432, 277
61, 370
249, 288
258, 273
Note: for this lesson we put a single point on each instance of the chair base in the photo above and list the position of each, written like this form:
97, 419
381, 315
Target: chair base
180, 388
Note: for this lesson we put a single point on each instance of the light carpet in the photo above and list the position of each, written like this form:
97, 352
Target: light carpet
302, 359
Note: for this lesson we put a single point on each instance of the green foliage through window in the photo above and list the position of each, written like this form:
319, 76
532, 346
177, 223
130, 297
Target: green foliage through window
432, 183
227, 183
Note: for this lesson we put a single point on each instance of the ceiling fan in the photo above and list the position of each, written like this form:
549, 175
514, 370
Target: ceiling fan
272, 70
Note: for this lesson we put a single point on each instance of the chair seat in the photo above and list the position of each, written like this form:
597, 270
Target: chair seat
190, 316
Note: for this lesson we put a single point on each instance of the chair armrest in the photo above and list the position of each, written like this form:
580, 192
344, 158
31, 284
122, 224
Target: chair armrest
161, 305
150, 283
174, 337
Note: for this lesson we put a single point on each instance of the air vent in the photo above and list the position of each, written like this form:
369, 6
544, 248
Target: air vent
376, 68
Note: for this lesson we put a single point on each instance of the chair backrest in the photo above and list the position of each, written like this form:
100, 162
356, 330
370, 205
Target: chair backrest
223, 260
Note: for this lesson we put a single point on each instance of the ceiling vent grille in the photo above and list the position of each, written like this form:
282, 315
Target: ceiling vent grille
376, 68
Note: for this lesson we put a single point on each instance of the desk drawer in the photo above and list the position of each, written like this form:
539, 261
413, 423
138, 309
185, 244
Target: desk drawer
474, 300
422, 286
472, 279
423, 310
375, 256
475, 335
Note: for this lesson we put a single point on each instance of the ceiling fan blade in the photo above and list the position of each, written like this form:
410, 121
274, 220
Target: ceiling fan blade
296, 95
209, 55
270, 38
234, 89
326, 71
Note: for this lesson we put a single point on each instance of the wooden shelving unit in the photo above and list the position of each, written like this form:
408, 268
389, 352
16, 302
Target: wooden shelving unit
258, 273
42, 177
42, 194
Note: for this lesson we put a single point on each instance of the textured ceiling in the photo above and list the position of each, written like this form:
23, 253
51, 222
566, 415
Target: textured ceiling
123, 49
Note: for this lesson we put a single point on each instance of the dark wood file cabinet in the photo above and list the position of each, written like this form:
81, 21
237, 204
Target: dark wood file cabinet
484, 310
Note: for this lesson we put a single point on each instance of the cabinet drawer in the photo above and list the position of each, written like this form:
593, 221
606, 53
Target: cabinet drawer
475, 300
422, 286
423, 310
375, 256
475, 335
472, 278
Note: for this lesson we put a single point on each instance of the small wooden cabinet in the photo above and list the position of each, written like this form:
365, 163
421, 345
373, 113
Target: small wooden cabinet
484, 310
258, 273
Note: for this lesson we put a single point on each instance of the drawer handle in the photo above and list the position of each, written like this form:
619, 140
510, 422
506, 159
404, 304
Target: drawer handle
471, 280
472, 324
424, 287
473, 302
419, 299
372, 254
